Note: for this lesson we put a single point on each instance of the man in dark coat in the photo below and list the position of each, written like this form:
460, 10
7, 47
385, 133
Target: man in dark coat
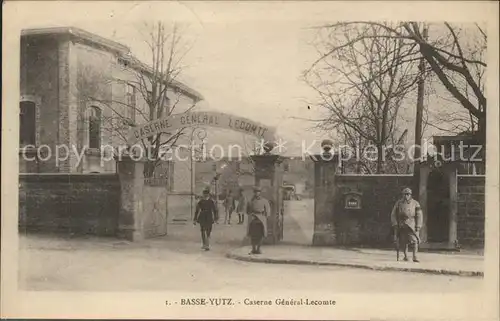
258, 211
205, 215
406, 219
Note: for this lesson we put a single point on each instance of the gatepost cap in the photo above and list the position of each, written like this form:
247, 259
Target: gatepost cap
406, 190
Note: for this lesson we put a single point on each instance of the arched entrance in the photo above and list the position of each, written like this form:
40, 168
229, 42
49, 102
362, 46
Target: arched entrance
438, 207
209, 119
267, 166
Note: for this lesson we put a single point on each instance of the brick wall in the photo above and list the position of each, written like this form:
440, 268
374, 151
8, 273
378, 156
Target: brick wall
71, 204
471, 190
371, 224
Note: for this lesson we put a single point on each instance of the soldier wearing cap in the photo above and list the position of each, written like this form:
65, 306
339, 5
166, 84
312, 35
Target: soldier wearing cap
406, 219
205, 215
258, 210
242, 206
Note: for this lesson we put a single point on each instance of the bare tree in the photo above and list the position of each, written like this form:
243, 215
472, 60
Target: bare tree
455, 54
362, 85
151, 90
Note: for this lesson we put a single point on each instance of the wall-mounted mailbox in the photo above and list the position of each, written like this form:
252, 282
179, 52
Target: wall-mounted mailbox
352, 200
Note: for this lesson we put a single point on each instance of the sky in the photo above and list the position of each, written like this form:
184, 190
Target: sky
243, 68
245, 59
251, 70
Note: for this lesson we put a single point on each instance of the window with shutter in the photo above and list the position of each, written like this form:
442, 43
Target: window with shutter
27, 122
130, 93
94, 123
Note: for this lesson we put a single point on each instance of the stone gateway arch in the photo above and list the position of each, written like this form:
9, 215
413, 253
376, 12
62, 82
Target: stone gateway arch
202, 118
268, 167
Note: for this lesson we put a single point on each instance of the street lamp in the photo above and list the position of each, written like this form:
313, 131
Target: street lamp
217, 175
201, 135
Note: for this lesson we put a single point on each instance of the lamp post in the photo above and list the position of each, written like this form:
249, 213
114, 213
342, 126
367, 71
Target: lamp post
217, 175
201, 135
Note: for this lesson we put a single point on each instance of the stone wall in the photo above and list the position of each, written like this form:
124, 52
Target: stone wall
471, 210
69, 203
369, 225
143, 202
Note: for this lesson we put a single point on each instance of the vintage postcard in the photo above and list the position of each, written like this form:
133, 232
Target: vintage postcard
250, 160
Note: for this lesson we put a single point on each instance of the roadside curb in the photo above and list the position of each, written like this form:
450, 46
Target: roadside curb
240, 257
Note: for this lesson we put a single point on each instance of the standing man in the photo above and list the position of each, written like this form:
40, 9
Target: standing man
205, 215
258, 211
229, 205
406, 219
242, 206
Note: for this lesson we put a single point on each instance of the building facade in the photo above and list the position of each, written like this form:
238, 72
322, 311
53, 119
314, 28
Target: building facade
234, 173
76, 92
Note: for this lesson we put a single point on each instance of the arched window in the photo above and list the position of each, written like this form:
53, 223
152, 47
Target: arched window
27, 123
130, 92
94, 129
166, 102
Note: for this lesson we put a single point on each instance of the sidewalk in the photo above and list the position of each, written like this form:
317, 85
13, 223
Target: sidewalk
383, 260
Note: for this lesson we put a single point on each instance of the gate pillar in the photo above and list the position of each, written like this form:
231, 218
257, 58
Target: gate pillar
325, 169
269, 176
131, 176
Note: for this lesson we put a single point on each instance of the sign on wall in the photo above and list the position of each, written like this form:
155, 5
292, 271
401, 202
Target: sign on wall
353, 199
210, 119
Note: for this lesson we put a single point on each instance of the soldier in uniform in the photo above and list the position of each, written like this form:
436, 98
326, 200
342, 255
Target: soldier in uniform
242, 206
229, 205
258, 210
406, 219
205, 215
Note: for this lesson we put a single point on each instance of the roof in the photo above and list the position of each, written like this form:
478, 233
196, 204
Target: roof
117, 48
186, 90
108, 44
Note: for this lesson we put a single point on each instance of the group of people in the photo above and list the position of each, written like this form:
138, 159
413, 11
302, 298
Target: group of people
257, 210
230, 207
406, 219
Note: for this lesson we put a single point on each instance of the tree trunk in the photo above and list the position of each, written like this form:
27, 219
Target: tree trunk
481, 129
380, 159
